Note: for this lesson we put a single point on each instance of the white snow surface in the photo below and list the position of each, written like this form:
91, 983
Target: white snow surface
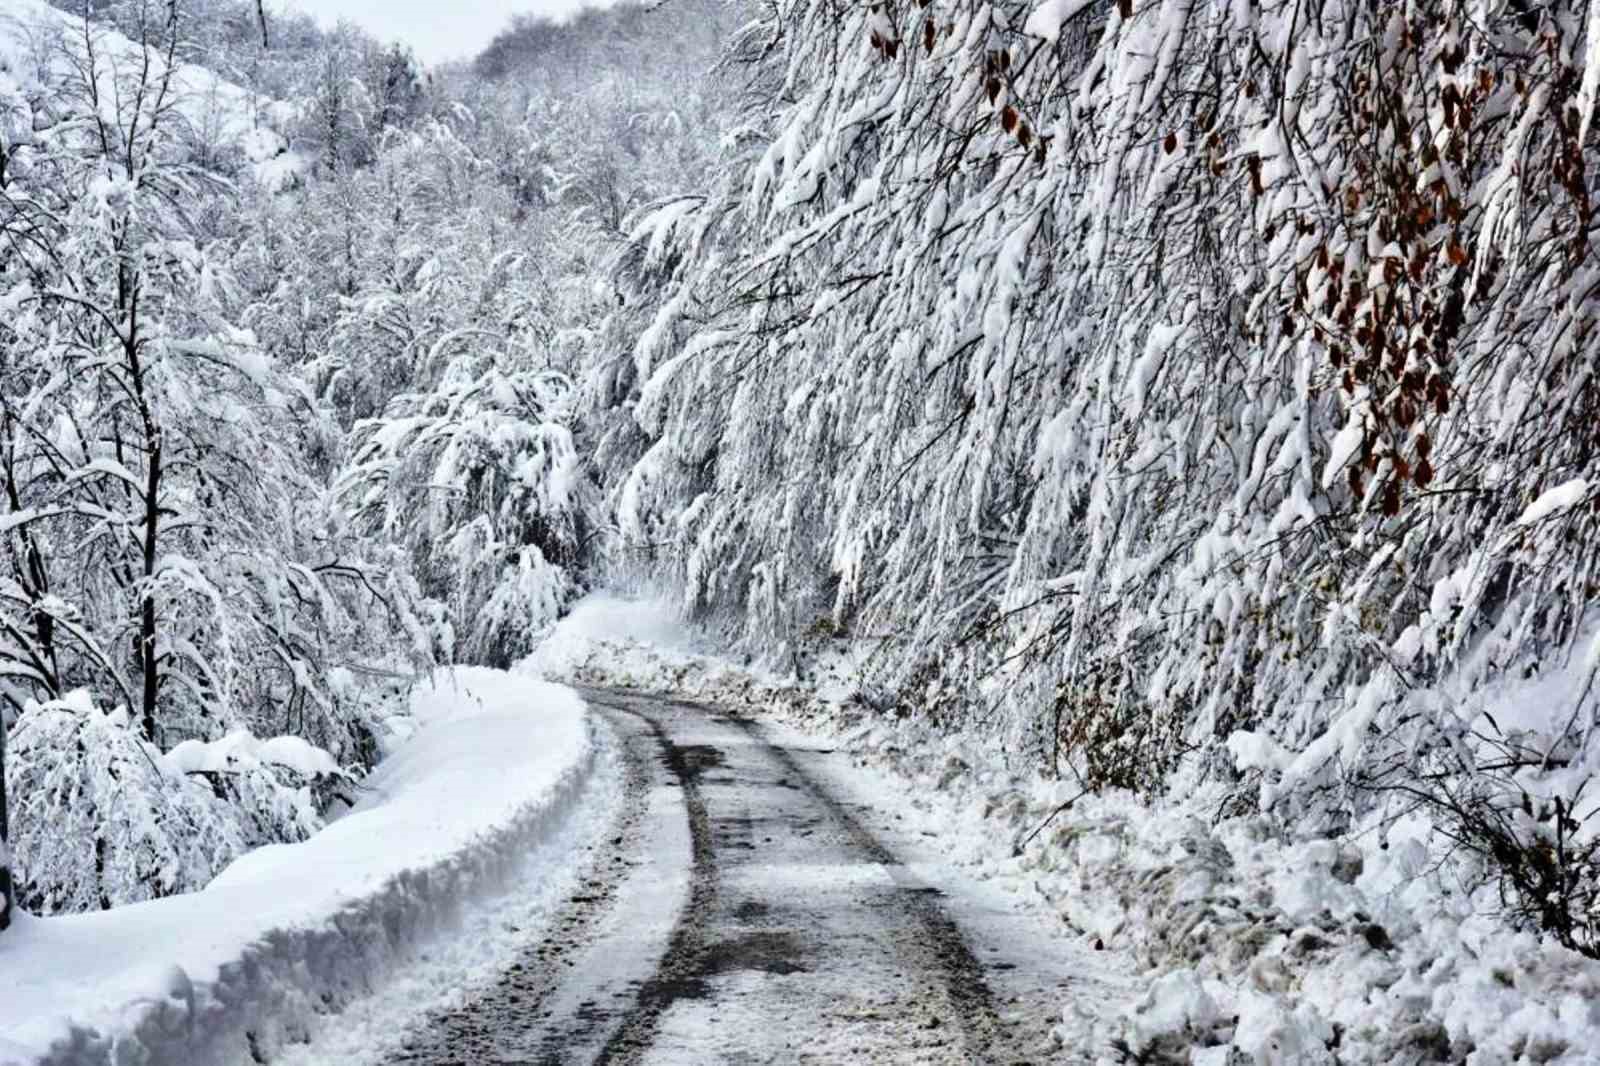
1048, 18
239, 749
1557, 499
490, 937
1226, 940
496, 767
608, 618
1052, 15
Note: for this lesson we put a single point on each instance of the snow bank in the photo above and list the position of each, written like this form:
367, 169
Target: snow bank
603, 620
289, 932
1255, 948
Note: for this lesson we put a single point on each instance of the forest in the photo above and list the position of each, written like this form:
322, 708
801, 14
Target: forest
1171, 391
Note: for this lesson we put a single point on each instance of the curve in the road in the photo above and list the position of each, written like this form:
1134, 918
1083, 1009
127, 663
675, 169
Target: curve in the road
740, 914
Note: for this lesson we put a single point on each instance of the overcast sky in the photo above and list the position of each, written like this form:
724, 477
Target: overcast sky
436, 29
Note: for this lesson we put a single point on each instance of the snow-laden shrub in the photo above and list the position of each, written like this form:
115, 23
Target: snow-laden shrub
1508, 774
101, 818
479, 480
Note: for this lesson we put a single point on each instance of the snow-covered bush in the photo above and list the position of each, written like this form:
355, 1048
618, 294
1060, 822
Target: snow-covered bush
101, 817
480, 481
1507, 774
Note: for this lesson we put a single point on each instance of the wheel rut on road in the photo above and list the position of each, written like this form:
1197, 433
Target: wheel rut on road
739, 914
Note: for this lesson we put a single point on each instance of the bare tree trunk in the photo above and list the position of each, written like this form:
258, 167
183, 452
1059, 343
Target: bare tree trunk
5, 837
261, 13
147, 657
147, 611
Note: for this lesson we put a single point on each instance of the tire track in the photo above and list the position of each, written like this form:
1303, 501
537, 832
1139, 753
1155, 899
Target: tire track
680, 973
962, 972
691, 959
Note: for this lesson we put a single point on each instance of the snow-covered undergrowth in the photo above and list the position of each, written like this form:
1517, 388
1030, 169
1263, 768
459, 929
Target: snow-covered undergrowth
160, 824
1374, 947
287, 933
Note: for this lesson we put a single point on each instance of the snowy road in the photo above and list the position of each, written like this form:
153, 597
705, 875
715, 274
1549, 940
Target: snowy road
741, 913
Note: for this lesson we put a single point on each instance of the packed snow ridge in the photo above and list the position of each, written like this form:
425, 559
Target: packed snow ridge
289, 933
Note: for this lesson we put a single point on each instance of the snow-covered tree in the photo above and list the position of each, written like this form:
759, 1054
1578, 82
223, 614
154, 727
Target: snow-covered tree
7, 890
1153, 380
152, 480
169, 548
1155, 371
479, 479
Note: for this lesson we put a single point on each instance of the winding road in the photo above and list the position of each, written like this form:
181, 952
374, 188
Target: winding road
740, 912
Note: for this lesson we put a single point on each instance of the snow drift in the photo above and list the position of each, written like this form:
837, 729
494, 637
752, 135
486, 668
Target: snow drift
289, 932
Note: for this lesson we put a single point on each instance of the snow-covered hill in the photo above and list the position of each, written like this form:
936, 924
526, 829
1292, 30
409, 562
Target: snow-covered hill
40, 44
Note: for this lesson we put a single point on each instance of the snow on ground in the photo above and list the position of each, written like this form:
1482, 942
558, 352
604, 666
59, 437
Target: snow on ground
1035, 965
488, 939
496, 768
1246, 946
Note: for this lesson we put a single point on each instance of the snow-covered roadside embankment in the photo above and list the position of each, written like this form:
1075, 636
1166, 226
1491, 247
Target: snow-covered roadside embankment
290, 932
1250, 946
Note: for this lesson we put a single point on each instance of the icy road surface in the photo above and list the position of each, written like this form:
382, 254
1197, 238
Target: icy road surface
742, 912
